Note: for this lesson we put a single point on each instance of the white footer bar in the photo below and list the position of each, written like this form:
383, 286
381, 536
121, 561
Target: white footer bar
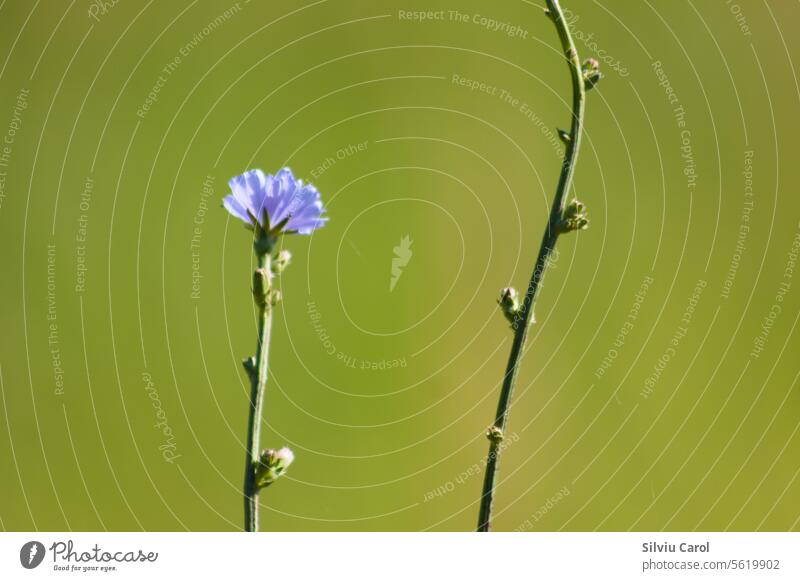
407, 556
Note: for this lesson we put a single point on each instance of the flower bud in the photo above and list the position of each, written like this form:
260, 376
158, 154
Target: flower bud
271, 465
591, 73
494, 434
509, 303
574, 217
261, 283
275, 297
281, 261
249, 364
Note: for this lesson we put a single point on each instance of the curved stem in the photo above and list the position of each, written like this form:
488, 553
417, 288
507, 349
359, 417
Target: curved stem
258, 381
549, 240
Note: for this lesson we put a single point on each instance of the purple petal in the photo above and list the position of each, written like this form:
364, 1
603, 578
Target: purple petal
248, 190
308, 226
271, 198
235, 208
308, 215
285, 190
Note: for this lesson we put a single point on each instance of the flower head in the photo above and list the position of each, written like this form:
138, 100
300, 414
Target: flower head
274, 204
271, 465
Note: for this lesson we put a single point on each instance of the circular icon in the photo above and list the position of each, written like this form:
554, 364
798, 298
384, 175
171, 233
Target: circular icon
31, 554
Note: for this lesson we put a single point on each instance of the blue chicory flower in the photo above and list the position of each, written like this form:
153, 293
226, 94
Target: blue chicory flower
275, 204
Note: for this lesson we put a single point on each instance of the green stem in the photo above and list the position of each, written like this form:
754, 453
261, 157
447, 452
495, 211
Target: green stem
549, 240
258, 381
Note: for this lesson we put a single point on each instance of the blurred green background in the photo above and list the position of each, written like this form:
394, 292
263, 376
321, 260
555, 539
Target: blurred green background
659, 390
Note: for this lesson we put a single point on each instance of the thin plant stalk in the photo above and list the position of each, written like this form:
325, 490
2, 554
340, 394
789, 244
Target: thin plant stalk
551, 233
257, 370
270, 206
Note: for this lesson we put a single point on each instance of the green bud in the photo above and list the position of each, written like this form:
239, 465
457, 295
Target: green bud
591, 73
261, 284
494, 435
509, 303
271, 465
275, 297
249, 364
574, 217
590, 66
281, 261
